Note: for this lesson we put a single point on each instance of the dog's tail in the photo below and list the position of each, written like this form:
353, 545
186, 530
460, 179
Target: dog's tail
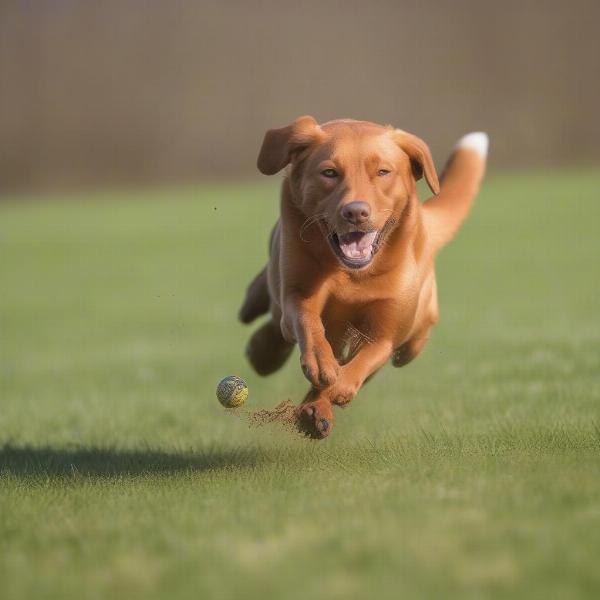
459, 183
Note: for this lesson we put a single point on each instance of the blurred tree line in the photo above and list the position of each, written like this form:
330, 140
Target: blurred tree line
143, 91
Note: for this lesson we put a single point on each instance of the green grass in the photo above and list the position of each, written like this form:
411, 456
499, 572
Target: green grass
474, 472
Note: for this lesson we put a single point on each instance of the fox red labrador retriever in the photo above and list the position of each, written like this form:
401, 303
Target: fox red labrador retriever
351, 275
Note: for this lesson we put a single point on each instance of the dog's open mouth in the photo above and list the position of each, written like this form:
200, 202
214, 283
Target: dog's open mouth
355, 249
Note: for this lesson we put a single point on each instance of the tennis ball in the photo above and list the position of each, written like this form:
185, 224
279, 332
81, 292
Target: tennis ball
232, 391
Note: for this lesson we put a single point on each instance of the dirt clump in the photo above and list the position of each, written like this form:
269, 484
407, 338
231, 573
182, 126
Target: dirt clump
284, 415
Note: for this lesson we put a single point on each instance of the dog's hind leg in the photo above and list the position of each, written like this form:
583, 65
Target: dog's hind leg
257, 300
267, 351
413, 347
409, 350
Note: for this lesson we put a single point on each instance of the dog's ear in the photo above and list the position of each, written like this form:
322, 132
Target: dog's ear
279, 145
420, 158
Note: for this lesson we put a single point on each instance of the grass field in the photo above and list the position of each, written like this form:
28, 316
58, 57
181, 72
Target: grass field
474, 472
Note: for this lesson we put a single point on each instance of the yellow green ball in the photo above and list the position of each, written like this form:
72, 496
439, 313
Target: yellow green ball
232, 391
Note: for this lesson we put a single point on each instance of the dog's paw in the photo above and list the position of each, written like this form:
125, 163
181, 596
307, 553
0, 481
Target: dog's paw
342, 393
315, 419
319, 366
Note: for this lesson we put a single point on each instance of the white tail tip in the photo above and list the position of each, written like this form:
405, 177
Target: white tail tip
478, 141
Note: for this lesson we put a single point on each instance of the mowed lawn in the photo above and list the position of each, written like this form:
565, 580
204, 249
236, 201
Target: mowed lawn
473, 472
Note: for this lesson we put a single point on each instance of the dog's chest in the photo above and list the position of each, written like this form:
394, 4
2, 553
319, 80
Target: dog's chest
357, 312
397, 287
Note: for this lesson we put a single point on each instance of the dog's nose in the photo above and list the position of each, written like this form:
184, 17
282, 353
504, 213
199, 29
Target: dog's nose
356, 212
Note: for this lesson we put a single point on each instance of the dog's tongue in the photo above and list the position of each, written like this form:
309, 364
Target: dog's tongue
357, 245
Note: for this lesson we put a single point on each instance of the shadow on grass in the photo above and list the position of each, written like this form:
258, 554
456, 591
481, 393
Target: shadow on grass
48, 461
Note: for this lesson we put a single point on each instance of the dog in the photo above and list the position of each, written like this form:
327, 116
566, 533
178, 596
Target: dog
351, 274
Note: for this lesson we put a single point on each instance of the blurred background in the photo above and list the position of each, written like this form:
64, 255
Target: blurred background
142, 91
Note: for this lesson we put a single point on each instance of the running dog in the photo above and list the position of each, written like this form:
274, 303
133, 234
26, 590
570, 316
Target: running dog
351, 274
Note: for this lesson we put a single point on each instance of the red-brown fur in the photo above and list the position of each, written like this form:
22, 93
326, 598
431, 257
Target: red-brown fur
315, 300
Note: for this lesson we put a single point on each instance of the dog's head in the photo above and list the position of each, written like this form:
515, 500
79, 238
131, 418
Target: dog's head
354, 178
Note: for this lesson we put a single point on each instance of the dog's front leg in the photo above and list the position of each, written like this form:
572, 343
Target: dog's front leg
385, 321
301, 322
315, 415
371, 357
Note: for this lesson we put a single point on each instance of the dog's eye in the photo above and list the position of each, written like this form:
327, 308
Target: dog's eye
330, 173
382, 172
